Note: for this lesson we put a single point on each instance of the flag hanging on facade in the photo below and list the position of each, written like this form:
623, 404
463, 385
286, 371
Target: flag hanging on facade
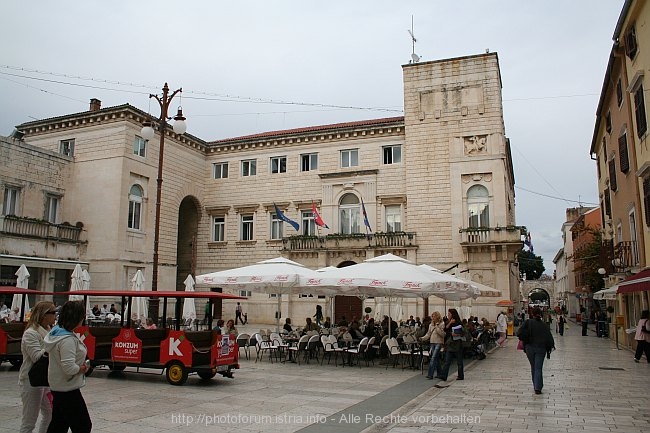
529, 243
365, 215
286, 219
317, 219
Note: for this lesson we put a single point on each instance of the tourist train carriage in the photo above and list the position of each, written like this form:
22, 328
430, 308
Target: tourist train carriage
177, 350
11, 334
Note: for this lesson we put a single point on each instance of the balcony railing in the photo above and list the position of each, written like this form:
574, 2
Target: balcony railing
34, 228
356, 240
483, 235
626, 255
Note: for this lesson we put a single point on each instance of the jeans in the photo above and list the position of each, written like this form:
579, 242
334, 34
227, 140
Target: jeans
35, 399
459, 362
536, 359
69, 411
434, 362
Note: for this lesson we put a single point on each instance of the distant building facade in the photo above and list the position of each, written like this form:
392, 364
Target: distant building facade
437, 186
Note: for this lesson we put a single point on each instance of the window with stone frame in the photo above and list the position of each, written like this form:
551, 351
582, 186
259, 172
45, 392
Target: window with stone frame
393, 218
478, 207
349, 158
140, 146
631, 42
619, 92
392, 154
136, 198
248, 167
308, 223
608, 203
247, 227
218, 228
276, 227
608, 122
66, 147
349, 214
308, 161
11, 201
278, 164
52, 205
220, 170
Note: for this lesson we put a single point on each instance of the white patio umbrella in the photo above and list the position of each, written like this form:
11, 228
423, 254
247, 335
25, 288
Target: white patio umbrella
139, 304
79, 282
22, 282
189, 309
274, 276
392, 276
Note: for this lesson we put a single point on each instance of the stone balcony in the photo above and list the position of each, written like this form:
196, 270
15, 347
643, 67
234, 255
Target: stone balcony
380, 242
23, 227
487, 235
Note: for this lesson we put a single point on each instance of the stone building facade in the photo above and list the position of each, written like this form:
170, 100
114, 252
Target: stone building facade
437, 186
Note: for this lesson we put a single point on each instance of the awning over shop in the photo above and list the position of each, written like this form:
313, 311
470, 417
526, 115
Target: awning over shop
39, 262
636, 283
607, 294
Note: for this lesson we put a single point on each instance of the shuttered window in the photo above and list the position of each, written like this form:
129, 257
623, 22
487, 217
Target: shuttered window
608, 207
612, 174
646, 200
624, 159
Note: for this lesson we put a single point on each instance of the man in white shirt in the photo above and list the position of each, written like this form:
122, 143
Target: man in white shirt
502, 324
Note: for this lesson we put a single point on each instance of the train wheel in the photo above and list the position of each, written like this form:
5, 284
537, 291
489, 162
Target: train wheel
176, 373
206, 375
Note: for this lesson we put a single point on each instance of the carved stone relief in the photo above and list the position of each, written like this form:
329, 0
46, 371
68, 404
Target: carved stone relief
475, 145
476, 177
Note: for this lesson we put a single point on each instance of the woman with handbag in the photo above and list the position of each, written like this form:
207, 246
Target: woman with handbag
36, 399
642, 337
67, 372
455, 333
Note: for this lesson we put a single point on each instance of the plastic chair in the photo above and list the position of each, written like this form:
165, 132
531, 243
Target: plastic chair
243, 341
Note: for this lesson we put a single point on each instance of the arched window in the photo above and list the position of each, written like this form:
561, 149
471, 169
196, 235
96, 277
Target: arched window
135, 207
478, 207
349, 214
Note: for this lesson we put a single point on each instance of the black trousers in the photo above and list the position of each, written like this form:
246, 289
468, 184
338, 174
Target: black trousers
69, 411
641, 347
584, 329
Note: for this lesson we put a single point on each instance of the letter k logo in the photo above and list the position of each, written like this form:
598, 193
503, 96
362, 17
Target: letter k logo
173, 347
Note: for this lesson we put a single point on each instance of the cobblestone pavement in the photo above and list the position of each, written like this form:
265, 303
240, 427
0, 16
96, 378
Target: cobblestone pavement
589, 385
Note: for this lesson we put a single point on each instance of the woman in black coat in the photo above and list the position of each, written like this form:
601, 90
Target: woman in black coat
538, 343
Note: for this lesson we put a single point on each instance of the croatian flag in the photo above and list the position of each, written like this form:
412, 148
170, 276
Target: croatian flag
285, 218
317, 219
365, 215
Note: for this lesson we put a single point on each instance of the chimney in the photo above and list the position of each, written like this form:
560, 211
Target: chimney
95, 104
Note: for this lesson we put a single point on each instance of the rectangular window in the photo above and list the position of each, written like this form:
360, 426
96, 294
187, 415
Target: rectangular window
51, 208
392, 154
135, 212
349, 158
608, 122
247, 227
246, 293
624, 159
218, 229
220, 170
393, 218
249, 167
630, 43
308, 224
139, 146
66, 147
11, 201
639, 109
273, 295
276, 227
279, 164
619, 92
608, 204
646, 200
308, 162
612, 175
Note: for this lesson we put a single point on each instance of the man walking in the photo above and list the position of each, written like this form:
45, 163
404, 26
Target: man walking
238, 314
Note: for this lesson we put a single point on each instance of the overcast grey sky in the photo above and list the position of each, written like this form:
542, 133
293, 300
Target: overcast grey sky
253, 66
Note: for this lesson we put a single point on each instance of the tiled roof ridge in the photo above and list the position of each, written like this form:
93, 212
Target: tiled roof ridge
308, 129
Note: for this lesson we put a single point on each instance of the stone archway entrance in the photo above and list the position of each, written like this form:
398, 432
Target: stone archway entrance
539, 297
188, 222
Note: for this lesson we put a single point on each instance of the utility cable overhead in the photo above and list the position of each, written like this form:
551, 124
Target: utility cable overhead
556, 198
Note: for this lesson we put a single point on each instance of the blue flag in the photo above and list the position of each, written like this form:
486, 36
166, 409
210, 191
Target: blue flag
365, 215
285, 218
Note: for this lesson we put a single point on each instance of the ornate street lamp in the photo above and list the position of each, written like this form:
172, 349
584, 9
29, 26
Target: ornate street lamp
148, 133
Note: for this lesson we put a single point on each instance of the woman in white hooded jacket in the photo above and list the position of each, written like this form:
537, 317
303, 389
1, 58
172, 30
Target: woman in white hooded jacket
66, 372
35, 398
